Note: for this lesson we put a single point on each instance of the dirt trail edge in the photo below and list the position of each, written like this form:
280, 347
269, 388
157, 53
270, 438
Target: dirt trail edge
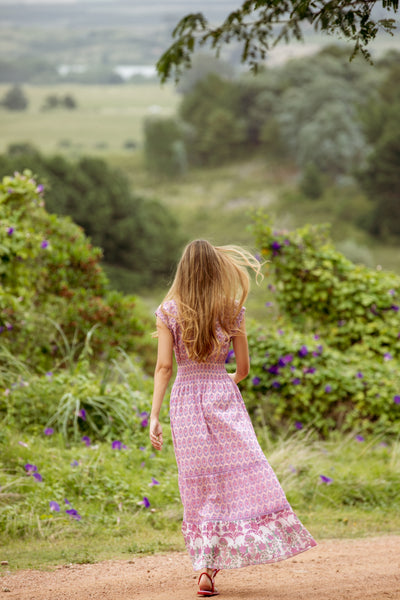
358, 569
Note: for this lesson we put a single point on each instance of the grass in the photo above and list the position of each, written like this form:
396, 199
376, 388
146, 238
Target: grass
106, 117
107, 486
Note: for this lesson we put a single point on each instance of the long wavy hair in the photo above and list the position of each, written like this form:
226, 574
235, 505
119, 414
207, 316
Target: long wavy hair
210, 287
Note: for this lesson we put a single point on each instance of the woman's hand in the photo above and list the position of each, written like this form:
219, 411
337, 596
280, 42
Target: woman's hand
156, 437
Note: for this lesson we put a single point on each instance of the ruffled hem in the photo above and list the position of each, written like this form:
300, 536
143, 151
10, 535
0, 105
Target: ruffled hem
231, 545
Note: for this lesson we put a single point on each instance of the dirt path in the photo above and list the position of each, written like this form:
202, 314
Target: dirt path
358, 569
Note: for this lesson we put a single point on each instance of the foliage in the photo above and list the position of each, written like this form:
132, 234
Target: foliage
307, 110
53, 101
311, 184
15, 99
334, 360
380, 175
260, 25
78, 401
139, 235
202, 66
164, 146
50, 274
106, 486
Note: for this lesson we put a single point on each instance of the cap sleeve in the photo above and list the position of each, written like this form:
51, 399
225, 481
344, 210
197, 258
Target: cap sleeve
240, 317
167, 313
162, 316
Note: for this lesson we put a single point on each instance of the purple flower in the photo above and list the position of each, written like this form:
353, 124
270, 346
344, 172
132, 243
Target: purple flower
292, 468
67, 501
86, 439
142, 448
328, 388
273, 369
276, 384
296, 381
142, 465
230, 355
325, 479
54, 506
255, 381
286, 242
360, 438
359, 375
49, 374
394, 307
387, 356
303, 351
154, 482
316, 336
285, 360
40, 188
298, 425
44, 244
144, 413
268, 304
10, 230
144, 422
82, 414
48, 431
30, 468
145, 502
74, 463
309, 370
116, 445
276, 246
38, 477
396, 399
74, 514
280, 331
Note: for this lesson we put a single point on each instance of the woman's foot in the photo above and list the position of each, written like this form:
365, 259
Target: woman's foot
206, 583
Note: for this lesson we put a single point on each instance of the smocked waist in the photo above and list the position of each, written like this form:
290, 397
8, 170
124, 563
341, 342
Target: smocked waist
201, 370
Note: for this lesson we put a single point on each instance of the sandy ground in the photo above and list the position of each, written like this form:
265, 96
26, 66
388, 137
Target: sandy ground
357, 569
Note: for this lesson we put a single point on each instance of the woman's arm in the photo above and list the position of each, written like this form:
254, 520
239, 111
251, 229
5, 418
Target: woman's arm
162, 375
241, 350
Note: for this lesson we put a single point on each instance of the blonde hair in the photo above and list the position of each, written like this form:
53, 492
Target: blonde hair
210, 287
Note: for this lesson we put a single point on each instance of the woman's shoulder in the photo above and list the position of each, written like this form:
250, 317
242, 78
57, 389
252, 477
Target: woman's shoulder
168, 306
167, 310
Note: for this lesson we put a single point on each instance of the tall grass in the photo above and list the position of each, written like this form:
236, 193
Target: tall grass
106, 487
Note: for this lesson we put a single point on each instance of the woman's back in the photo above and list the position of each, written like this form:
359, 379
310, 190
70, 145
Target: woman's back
168, 313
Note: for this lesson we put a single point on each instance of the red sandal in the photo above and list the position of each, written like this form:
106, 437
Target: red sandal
213, 591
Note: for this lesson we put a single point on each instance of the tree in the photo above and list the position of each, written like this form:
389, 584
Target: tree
381, 181
164, 146
259, 25
202, 66
139, 236
381, 175
15, 99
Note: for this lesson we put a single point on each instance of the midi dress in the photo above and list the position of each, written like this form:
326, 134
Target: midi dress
235, 510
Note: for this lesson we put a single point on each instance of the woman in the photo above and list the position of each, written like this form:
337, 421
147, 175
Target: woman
235, 511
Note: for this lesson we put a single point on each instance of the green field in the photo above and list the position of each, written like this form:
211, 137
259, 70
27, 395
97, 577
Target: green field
105, 119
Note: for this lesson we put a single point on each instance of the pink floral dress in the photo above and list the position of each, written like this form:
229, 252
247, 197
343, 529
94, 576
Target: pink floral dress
235, 511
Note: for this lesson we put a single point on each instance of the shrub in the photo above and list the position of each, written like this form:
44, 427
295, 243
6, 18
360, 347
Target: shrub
334, 361
51, 274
